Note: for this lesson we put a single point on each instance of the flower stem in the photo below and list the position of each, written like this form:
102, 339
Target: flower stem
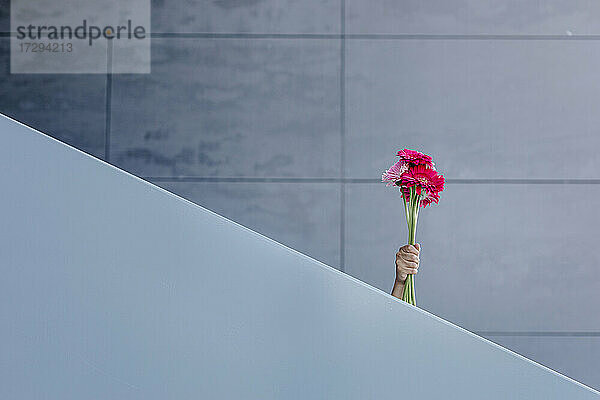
406, 202
412, 214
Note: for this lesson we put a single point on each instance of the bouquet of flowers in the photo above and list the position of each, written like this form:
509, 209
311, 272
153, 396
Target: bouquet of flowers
420, 185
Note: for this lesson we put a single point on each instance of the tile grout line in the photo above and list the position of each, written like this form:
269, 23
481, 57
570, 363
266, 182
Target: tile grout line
539, 333
108, 102
276, 179
342, 136
359, 36
417, 36
366, 36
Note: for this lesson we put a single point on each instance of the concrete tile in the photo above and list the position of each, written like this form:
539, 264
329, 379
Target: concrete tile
230, 108
555, 17
483, 109
4, 15
257, 16
68, 107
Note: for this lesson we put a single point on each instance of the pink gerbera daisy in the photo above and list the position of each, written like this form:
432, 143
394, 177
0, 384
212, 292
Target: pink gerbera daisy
429, 198
413, 157
423, 178
393, 175
426, 197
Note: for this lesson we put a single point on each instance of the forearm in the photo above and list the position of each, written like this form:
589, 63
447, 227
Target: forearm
398, 289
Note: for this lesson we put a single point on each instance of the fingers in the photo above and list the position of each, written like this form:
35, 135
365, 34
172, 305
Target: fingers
409, 265
411, 271
409, 257
409, 248
402, 272
407, 260
405, 266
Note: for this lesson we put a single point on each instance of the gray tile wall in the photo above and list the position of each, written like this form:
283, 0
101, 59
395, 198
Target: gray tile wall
282, 116
473, 17
70, 107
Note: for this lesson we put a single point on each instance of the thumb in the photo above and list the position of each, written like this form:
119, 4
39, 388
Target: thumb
418, 246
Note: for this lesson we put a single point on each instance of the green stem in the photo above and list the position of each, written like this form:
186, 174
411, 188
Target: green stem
417, 206
412, 215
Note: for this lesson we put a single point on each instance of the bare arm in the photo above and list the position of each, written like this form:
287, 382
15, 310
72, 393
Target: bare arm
407, 262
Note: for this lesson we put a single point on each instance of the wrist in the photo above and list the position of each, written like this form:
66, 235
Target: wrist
398, 288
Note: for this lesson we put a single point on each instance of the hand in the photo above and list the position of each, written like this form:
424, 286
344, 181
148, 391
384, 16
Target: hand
407, 261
